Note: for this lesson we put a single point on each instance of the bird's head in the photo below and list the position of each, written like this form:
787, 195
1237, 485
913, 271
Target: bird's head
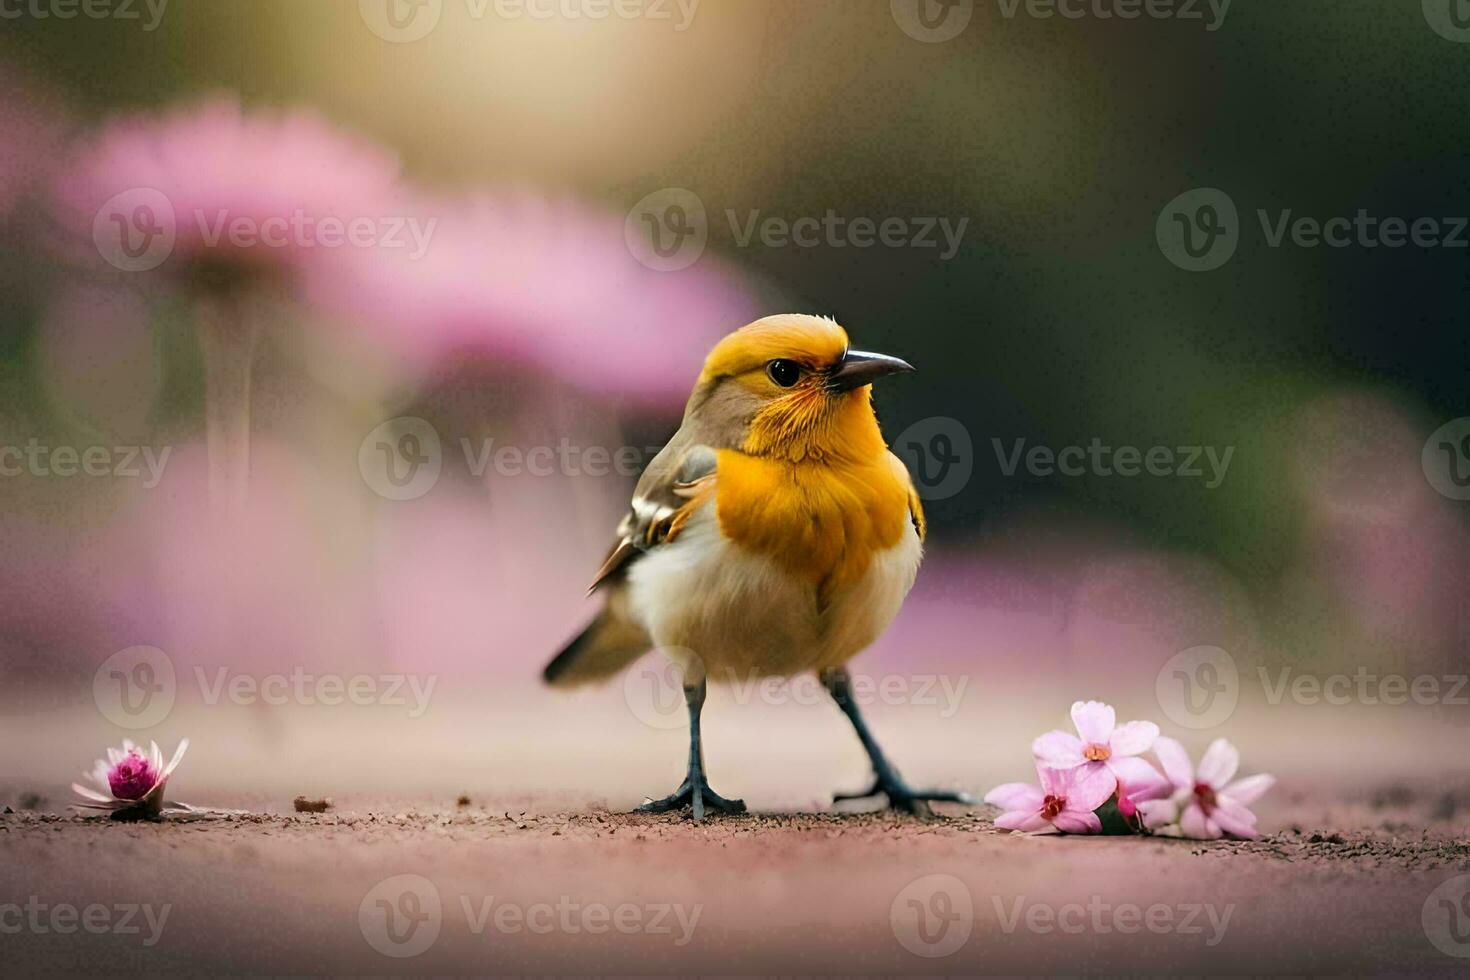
789, 386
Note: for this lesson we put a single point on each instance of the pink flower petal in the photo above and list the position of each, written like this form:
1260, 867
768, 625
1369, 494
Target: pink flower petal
1015, 796
1092, 784
1054, 782
1027, 820
1175, 762
1133, 738
1073, 822
1058, 750
1246, 791
174, 762
1219, 764
1094, 720
1193, 823
1137, 779
1235, 820
90, 794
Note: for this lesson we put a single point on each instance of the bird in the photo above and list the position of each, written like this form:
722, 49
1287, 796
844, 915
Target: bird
774, 534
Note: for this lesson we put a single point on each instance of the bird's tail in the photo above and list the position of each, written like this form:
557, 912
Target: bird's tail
612, 641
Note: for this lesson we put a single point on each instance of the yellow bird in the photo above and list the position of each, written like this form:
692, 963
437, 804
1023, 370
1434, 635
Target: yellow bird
774, 534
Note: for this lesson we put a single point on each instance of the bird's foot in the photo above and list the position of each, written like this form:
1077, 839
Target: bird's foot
694, 793
903, 799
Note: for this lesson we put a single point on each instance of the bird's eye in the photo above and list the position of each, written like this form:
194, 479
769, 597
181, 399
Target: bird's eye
785, 373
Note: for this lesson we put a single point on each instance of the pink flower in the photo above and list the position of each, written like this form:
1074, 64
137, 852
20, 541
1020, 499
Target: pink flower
1064, 803
200, 169
132, 776
1204, 805
1101, 744
1140, 787
134, 781
545, 283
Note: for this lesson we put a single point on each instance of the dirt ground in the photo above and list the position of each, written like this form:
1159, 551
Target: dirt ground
554, 885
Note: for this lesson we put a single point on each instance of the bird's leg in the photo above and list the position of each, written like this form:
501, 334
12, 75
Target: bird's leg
888, 783
694, 792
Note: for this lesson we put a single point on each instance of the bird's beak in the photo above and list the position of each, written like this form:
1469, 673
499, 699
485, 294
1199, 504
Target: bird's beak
858, 368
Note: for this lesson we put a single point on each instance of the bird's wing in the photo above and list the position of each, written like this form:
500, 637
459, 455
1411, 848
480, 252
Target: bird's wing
678, 480
916, 507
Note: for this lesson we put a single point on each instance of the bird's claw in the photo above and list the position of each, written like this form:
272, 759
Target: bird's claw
906, 800
695, 794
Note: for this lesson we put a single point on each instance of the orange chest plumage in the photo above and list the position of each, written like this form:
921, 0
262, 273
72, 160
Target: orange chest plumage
824, 522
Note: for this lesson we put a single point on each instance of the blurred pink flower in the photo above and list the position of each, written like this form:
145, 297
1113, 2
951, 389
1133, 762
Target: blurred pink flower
1204, 805
134, 782
1063, 804
542, 283
218, 199
215, 165
1103, 745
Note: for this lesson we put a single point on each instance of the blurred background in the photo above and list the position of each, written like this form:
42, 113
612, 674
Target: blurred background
553, 212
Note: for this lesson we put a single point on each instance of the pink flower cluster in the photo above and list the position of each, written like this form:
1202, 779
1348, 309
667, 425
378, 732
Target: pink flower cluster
1080, 773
